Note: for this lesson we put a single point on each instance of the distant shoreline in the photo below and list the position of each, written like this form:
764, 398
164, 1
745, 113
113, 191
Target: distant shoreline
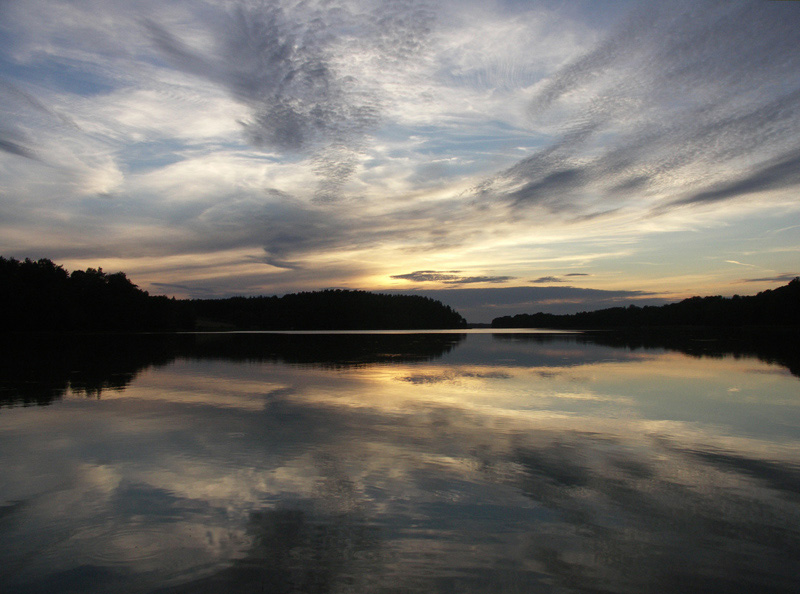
772, 308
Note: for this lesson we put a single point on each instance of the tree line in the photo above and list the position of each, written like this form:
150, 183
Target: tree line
330, 309
773, 307
43, 296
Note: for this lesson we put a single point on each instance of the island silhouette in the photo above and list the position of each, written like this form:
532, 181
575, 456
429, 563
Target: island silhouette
39, 295
778, 307
43, 296
90, 331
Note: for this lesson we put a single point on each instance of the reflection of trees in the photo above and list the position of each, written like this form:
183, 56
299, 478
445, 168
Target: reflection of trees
769, 346
38, 369
325, 350
41, 368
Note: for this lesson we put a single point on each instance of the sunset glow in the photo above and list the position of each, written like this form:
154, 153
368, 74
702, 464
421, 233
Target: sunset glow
502, 156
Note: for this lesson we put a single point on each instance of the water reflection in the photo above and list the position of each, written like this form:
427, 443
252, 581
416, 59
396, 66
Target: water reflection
547, 465
773, 346
38, 369
294, 551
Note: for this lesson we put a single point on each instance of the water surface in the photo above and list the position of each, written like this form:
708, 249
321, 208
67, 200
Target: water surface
438, 462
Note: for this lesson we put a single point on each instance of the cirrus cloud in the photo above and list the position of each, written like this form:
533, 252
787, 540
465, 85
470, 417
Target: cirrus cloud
450, 277
251, 146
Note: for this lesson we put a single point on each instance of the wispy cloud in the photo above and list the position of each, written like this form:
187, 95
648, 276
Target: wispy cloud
335, 143
10, 143
450, 277
625, 107
779, 173
779, 278
740, 263
484, 304
288, 63
14, 138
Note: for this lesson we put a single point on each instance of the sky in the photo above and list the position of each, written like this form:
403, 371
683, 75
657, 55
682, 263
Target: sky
503, 156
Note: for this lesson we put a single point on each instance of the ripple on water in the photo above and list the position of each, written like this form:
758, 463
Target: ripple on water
128, 545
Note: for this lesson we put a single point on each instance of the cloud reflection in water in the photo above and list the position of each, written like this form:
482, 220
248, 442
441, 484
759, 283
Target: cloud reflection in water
551, 466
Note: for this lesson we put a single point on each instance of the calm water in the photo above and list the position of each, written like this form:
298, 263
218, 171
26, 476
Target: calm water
398, 463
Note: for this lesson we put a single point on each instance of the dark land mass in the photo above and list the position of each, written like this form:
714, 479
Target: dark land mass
82, 331
777, 308
42, 296
332, 309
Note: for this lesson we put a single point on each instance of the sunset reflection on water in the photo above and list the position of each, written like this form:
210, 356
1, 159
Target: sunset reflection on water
494, 465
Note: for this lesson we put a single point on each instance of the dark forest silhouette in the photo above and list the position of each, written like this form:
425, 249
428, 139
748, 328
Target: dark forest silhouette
331, 309
774, 307
42, 296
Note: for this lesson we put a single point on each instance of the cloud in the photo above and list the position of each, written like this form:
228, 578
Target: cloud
427, 276
484, 304
185, 289
357, 138
577, 274
780, 278
452, 277
295, 68
547, 279
9, 144
740, 263
783, 172
58, 153
18, 108
707, 81
480, 279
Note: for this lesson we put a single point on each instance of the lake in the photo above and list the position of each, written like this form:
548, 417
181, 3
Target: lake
399, 462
